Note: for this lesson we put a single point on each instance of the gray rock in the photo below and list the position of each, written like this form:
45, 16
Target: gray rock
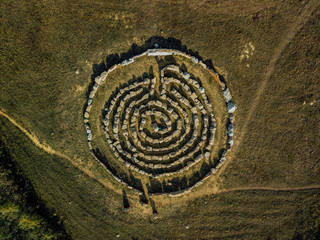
231, 107
227, 95
230, 129
230, 141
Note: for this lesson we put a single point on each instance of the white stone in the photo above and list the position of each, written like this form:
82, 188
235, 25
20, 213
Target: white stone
231, 107
152, 52
227, 95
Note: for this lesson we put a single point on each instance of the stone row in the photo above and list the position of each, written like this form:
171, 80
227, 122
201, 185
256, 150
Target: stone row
161, 105
161, 52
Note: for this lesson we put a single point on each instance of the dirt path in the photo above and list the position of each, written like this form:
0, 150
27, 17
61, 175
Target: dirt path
45, 147
32, 137
107, 184
300, 21
293, 29
269, 189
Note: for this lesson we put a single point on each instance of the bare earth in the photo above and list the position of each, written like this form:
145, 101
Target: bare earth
45, 147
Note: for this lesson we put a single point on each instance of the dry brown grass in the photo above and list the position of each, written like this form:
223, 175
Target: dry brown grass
42, 46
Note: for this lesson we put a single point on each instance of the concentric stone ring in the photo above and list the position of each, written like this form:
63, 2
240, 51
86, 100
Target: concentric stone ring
159, 127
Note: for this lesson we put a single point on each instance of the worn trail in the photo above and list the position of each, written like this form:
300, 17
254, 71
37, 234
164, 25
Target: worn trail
300, 21
32, 137
48, 149
289, 189
51, 151
293, 29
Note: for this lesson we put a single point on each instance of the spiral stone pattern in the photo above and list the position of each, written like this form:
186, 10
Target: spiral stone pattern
161, 126
179, 115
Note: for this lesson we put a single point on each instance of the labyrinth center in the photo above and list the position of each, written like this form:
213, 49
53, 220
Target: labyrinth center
160, 117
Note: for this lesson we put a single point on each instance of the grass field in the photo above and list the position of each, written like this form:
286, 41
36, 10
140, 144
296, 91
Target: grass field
45, 44
98, 214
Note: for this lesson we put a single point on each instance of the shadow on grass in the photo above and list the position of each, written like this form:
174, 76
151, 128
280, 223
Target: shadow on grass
154, 185
126, 204
151, 43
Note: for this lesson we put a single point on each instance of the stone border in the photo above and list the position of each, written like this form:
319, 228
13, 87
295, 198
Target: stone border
164, 52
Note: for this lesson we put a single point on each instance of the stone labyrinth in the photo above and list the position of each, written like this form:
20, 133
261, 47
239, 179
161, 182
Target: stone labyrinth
161, 127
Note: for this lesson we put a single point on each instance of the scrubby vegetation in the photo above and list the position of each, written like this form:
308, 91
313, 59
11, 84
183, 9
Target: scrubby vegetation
22, 214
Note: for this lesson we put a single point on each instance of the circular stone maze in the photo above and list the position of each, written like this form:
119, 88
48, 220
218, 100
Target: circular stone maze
167, 130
